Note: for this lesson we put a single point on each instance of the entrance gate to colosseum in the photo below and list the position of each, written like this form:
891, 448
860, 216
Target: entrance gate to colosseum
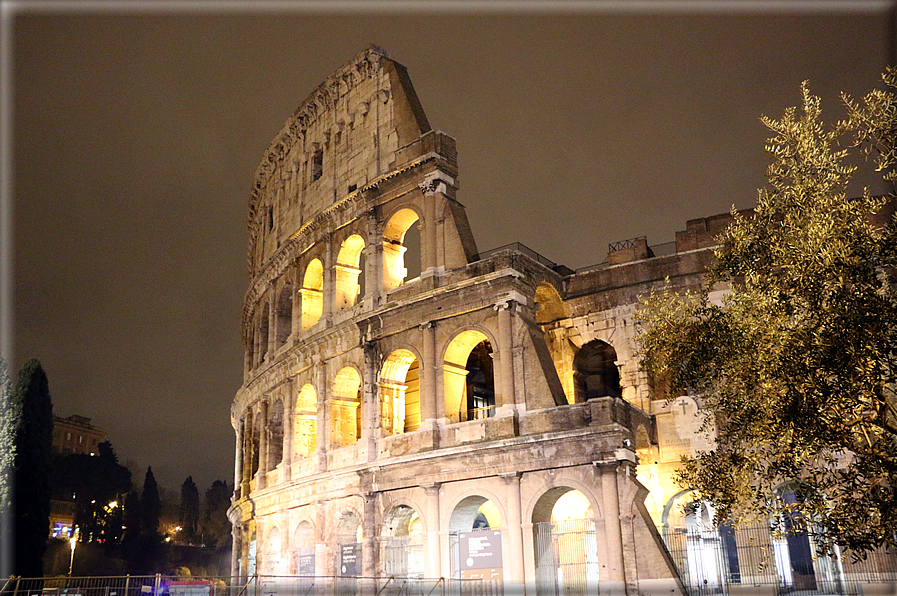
566, 558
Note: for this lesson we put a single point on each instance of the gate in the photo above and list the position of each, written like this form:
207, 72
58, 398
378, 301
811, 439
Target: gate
566, 558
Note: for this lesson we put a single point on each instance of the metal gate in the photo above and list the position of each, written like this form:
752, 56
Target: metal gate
403, 556
566, 558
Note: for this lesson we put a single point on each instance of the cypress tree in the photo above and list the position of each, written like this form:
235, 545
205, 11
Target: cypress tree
150, 505
189, 517
32, 412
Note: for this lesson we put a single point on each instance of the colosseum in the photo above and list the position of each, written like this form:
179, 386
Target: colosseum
415, 409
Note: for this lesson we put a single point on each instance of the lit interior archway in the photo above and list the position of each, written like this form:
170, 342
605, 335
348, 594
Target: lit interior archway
399, 387
402, 543
595, 372
400, 235
345, 407
275, 434
312, 293
306, 421
565, 544
348, 273
469, 379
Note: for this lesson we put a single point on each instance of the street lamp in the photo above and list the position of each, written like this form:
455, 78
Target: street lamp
73, 541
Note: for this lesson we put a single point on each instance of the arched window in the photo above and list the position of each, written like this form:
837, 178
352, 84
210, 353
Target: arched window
401, 249
284, 315
595, 372
469, 379
271, 556
349, 267
306, 415
565, 544
312, 293
400, 393
345, 405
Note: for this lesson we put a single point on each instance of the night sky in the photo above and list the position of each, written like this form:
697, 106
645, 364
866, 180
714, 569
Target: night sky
137, 130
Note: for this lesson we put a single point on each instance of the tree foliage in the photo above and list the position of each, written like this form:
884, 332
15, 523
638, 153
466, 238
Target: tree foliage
189, 514
214, 526
7, 456
32, 417
797, 363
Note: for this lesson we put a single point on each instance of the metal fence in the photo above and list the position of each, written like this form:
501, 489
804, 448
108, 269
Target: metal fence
259, 585
723, 560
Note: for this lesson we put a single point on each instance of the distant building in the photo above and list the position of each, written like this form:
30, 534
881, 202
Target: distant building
76, 434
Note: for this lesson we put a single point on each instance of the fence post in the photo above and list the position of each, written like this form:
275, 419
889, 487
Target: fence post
157, 585
127, 583
18, 579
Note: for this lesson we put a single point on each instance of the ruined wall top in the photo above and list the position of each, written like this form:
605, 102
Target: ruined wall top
346, 134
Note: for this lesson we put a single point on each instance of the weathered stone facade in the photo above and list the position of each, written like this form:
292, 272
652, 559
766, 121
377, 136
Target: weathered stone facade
383, 415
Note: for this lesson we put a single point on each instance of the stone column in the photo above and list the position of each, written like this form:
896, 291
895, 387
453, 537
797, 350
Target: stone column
433, 561
288, 426
514, 563
238, 457
263, 443
368, 535
430, 263
296, 319
272, 321
236, 550
429, 371
323, 412
616, 576
247, 455
370, 406
329, 282
505, 355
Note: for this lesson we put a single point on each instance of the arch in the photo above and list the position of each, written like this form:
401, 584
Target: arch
348, 539
468, 377
271, 561
550, 307
398, 262
595, 372
565, 545
402, 542
348, 272
399, 388
275, 434
304, 549
475, 512
305, 436
345, 406
283, 313
312, 293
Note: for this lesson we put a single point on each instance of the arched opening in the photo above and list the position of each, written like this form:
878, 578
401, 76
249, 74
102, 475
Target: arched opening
271, 561
304, 551
706, 554
349, 267
275, 434
348, 556
345, 405
312, 293
284, 315
595, 372
402, 543
474, 530
262, 342
401, 249
469, 378
399, 386
255, 444
564, 543
306, 419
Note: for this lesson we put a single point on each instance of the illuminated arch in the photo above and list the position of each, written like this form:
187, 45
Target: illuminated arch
283, 315
550, 306
306, 421
468, 377
275, 434
345, 406
399, 388
595, 372
271, 561
312, 293
348, 269
395, 255
565, 544
402, 542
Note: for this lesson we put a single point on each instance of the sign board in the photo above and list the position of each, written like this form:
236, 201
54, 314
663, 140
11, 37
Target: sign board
306, 561
348, 559
480, 559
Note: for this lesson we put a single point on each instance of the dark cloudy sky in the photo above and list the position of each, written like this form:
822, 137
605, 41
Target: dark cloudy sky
136, 130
